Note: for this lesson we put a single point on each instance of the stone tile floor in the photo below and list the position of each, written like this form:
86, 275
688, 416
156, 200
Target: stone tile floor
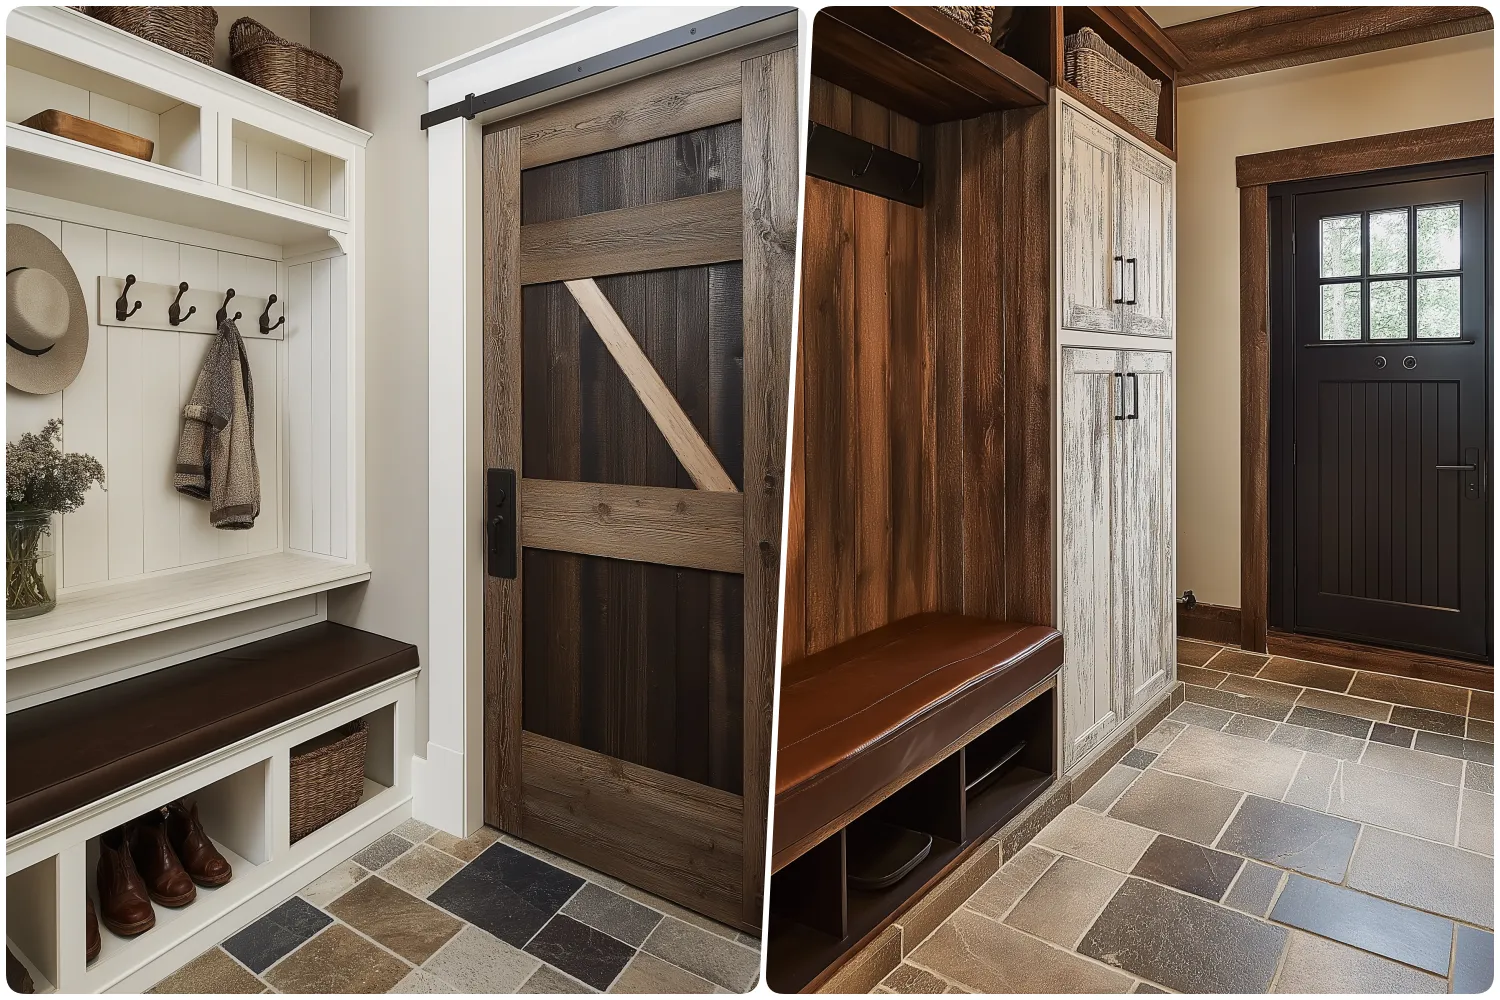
420, 911
1291, 827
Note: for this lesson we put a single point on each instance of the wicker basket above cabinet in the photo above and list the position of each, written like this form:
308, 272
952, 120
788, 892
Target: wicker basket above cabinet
259, 55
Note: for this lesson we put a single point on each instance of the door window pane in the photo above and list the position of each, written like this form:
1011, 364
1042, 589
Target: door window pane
1340, 312
1437, 240
1438, 307
1388, 243
1388, 317
1340, 246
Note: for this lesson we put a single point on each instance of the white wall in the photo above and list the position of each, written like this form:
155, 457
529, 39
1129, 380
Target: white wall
382, 49
1436, 83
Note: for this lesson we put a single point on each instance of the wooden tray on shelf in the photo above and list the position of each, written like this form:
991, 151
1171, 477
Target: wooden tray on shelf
60, 123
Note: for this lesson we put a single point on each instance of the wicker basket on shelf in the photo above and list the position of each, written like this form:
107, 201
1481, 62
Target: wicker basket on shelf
1091, 65
259, 55
976, 19
327, 777
188, 30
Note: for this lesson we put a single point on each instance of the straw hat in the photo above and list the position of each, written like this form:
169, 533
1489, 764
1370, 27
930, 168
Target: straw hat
46, 317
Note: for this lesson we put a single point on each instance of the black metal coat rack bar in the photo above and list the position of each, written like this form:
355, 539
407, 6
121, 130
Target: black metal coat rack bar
843, 159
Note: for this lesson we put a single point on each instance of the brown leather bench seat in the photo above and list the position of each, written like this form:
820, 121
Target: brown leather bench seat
859, 715
73, 751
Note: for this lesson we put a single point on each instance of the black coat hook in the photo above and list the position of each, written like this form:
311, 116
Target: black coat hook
175, 315
266, 326
223, 312
123, 302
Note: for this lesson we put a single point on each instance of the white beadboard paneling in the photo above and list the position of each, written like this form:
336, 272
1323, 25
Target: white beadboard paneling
260, 170
291, 179
320, 183
298, 408
108, 111
338, 394
239, 152
161, 420
199, 540
28, 93
254, 276
124, 497
322, 318
85, 553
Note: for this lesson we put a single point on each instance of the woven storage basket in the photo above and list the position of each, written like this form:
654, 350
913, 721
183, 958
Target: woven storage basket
259, 55
1091, 65
328, 777
976, 19
188, 30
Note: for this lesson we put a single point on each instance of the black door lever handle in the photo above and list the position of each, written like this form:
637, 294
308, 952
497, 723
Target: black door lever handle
500, 490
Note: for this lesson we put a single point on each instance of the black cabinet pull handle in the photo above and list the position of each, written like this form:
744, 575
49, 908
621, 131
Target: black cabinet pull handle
500, 499
1121, 286
1135, 282
1135, 394
1119, 395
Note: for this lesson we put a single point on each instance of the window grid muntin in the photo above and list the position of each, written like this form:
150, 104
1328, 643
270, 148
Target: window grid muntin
1410, 275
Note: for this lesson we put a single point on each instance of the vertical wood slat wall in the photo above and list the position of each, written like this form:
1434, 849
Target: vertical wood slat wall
921, 443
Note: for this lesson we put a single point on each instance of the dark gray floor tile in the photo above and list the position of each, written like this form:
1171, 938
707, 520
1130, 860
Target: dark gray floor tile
1371, 924
1482, 705
1330, 722
1427, 876
1318, 741
612, 913
383, 852
1146, 988
1473, 960
1254, 889
1452, 746
1482, 731
1138, 759
1183, 942
1396, 736
264, 942
1190, 867
1432, 722
1480, 777
1201, 676
1291, 837
582, 952
1249, 726
1281, 694
507, 892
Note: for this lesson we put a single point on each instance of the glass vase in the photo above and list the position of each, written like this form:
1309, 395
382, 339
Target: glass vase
30, 564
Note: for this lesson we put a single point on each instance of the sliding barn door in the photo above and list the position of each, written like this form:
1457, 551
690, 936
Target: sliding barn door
638, 318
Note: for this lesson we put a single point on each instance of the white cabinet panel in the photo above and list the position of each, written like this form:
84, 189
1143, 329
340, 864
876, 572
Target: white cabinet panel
1088, 223
1146, 208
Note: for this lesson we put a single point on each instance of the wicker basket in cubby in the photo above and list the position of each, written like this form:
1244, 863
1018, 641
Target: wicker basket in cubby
327, 777
187, 30
1094, 67
264, 58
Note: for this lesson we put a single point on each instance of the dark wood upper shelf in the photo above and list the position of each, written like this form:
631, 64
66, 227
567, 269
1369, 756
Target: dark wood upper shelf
920, 63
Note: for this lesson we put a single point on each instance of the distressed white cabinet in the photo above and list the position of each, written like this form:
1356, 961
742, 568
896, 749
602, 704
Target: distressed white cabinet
1116, 523
1115, 230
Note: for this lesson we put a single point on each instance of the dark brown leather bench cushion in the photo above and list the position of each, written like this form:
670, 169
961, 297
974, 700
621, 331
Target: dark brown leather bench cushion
73, 751
858, 715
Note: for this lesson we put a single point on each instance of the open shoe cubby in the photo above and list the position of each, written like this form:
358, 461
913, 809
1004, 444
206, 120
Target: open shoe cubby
818, 916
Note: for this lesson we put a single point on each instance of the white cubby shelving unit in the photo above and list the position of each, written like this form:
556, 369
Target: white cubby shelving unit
244, 190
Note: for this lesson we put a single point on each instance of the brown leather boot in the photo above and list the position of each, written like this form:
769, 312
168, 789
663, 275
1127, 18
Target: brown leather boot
91, 942
166, 880
124, 904
196, 852
16, 976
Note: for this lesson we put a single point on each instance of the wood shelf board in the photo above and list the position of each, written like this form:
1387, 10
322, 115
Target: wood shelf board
109, 613
73, 171
920, 63
1117, 120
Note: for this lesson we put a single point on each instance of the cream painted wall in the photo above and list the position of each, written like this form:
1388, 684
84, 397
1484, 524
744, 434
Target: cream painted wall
1435, 83
382, 49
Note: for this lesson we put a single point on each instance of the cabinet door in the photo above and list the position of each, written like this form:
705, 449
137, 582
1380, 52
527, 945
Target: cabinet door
1090, 403
1146, 241
1089, 224
1143, 503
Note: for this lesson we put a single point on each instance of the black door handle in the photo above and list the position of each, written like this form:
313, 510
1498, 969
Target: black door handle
1470, 470
500, 503
1135, 281
1135, 393
1119, 395
1121, 261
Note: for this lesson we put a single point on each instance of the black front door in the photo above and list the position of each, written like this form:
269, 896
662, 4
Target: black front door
1387, 415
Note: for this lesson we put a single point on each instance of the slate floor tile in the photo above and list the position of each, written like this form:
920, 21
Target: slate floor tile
907, 978
1318, 741
477, 962
1250, 727
1108, 788
1417, 764
507, 892
1231, 762
424, 982
1302, 673
1160, 736
411, 927
1476, 822
1138, 759
1239, 661
468, 848
1313, 783
588, 955
1426, 876
548, 980
1342, 704
1065, 900
1201, 676
989, 957
1330, 722
719, 960
1194, 714
1397, 736
1104, 840
1254, 888
1452, 746
1396, 801
937, 903
1317, 965
1289, 836
1432, 722
414, 830
1183, 942
1145, 987
1001, 890
261, 943
1482, 731
334, 883
1482, 705
1365, 922
338, 961
1410, 691
612, 913
1190, 867
1194, 653
1184, 807
383, 852
421, 870
211, 972
1280, 694
1480, 777
648, 974
1244, 704
1473, 960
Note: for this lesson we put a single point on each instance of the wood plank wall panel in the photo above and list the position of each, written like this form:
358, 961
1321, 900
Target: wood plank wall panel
943, 156
126, 410
1255, 428
317, 292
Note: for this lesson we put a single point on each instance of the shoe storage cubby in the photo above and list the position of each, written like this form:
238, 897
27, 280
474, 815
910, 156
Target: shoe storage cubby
837, 895
33, 890
377, 775
265, 163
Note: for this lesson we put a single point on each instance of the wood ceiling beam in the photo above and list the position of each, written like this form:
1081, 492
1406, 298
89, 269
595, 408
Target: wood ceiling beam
1266, 38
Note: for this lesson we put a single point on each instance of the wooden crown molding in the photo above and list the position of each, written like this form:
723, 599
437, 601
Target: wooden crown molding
1265, 38
1376, 152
